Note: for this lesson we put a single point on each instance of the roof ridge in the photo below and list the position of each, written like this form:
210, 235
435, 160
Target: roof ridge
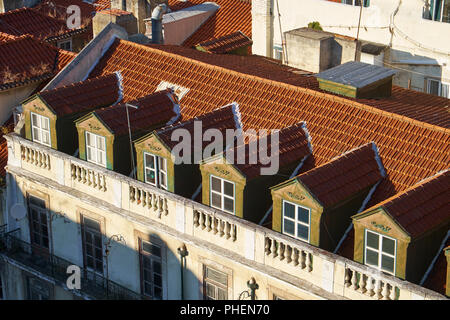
316, 93
87, 81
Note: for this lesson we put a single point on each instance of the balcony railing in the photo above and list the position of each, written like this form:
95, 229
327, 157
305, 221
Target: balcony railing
92, 284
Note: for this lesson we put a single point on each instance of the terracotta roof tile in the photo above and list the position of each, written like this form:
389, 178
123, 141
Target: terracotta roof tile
58, 9
293, 146
423, 206
33, 61
84, 96
29, 21
274, 97
226, 43
4, 37
154, 109
220, 119
232, 16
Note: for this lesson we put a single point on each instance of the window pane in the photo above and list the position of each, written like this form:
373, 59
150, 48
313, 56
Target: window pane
157, 267
158, 293
289, 227
446, 11
157, 280
210, 292
45, 123
36, 136
303, 215
433, 87
217, 276
162, 164
228, 204
388, 245
387, 263
162, 179
45, 138
216, 200
101, 143
89, 154
302, 232
289, 210
156, 251
150, 176
371, 257
150, 161
88, 139
372, 240
216, 184
221, 294
92, 224
146, 247
229, 189
34, 121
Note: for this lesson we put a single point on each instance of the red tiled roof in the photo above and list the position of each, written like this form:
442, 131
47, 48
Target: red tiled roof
154, 109
4, 37
100, 5
422, 207
83, 96
115, 12
26, 59
344, 176
437, 279
220, 119
58, 9
226, 43
293, 146
29, 21
232, 16
410, 148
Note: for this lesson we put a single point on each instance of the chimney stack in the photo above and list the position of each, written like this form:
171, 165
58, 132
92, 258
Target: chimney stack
157, 15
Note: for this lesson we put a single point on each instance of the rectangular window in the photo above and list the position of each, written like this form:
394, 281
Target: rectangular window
155, 170
65, 44
278, 52
215, 284
37, 289
222, 194
37, 213
379, 251
151, 269
437, 10
296, 221
40, 129
96, 149
92, 245
357, 3
438, 88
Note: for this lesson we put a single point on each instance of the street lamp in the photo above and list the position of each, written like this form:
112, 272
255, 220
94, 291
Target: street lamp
182, 251
129, 133
253, 286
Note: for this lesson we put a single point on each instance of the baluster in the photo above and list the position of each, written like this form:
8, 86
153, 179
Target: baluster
72, 171
28, 154
144, 198
302, 259
377, 289
370, 286
150, 200
161, 204
228, 230
274, 248
281, 251
35, 157
233, 232
39, 159
22, 152
196, 217
155, 202
288, 251
84, 175
347, 277
354, 280
89, 177
104, 182
132, 198
208, 223
385, 292
48, 162
362, 283
95, 181
166, 207
296, 256
308, 262
267, 246
393, 293
202, 220
222, 228
215, 225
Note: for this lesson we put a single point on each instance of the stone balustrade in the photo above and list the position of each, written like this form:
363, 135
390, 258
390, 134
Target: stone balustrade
249, 242
36, 157
374, 286
291, 254
147, 199
88, 177
216, 225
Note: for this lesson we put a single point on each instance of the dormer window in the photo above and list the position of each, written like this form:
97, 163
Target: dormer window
40, 128
155, 170
379, 251
96, 149
296, 221
222, 194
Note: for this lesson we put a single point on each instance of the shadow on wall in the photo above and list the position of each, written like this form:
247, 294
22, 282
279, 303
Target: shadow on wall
113, 263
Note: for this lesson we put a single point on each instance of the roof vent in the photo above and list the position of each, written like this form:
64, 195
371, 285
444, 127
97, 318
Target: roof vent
357, 80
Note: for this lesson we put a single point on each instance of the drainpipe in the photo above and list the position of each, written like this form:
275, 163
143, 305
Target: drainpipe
157, 14
182, 251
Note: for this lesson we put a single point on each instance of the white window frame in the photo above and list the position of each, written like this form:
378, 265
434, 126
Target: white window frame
441, 84
59, 44
441, 11
278, 50
355, 4
295, 221
157, 170
95, 148
222, 194
380, 251
152, 258
40, 129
